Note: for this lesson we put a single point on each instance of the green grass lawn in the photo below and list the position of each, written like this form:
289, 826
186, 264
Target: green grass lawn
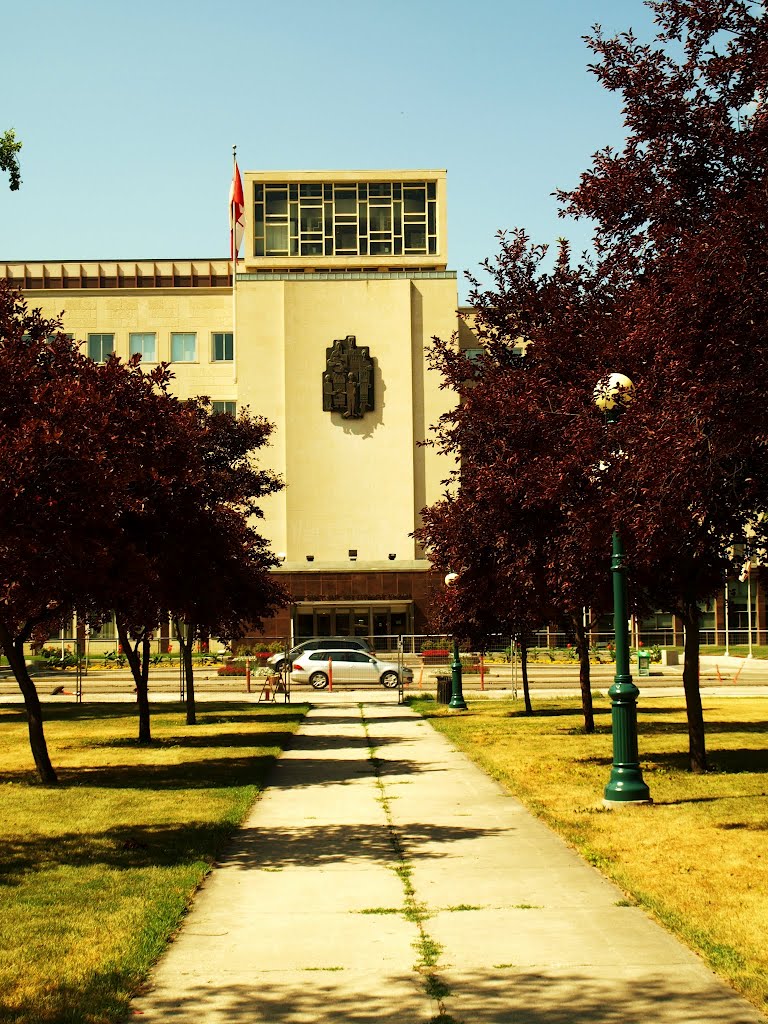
697, 858
96, 873
736, 650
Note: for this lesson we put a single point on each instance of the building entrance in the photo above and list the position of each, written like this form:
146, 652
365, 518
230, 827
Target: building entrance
380, 622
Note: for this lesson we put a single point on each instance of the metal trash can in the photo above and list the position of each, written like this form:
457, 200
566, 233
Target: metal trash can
443, 689
643, 663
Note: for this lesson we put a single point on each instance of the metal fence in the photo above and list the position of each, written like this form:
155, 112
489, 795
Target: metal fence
397, 662
97, 652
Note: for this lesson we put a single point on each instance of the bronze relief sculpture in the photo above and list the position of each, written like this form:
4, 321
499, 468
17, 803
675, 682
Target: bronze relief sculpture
348, 379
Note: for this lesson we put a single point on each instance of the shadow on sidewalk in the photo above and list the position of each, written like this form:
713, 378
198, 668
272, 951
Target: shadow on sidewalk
489, 996
324, 845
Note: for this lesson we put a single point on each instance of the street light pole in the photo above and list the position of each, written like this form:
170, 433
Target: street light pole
457, 696
626, 784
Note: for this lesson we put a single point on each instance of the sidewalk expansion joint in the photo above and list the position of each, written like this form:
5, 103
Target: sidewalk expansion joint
426, 947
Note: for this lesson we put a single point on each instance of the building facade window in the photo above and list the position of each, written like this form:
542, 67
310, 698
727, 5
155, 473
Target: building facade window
183, 348
106, 631
228, 407
222, 347
144, 345
386, 218
100, 347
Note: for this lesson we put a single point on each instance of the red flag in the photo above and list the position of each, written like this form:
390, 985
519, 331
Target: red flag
236, 216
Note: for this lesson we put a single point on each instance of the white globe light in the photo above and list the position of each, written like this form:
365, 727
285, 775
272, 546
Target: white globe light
451, 578
612, 391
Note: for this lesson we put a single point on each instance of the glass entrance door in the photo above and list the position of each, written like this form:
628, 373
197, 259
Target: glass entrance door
377, 622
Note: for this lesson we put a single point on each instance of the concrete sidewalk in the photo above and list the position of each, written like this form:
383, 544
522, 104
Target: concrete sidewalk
383, 878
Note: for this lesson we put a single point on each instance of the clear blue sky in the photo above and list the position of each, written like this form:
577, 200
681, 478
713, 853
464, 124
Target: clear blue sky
128, 112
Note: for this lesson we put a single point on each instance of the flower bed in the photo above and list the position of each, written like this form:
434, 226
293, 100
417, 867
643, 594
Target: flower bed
444, 656
232, 669
436, 656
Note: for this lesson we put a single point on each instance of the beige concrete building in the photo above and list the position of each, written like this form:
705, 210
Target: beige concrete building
342, 282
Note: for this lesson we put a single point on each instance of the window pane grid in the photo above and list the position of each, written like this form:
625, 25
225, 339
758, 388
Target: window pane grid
343, 219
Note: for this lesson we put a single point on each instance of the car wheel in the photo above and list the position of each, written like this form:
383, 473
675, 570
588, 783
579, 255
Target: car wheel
390, 680
280, 665
319, 680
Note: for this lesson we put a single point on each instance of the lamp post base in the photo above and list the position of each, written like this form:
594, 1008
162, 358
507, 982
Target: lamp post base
626, 786
457, 701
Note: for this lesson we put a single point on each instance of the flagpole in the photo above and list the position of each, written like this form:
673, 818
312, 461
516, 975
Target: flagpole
233, 245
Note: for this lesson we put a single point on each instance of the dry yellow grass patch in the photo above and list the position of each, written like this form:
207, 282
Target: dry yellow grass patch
96, 873
697, 858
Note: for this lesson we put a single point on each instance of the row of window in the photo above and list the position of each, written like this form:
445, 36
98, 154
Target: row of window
184, 346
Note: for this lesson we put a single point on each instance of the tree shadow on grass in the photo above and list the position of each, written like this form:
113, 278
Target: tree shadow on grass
197, 741
712, 800
747, 826
739, 761
208, 712
721, 761
647, 712
650, 727
555, 712
211, 773
760, 728
121, 848
248, 715
724, 762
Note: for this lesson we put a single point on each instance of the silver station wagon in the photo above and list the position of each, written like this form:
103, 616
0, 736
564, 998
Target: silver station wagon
327, 643
347, 667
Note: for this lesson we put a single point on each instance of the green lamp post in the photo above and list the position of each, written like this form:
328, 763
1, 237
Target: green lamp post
457, 696
626, 785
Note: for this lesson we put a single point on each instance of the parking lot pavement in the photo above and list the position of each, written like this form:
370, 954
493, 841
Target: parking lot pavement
384, 878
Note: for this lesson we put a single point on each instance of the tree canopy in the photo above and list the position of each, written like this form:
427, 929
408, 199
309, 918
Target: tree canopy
9, 158
117, 495
673, 296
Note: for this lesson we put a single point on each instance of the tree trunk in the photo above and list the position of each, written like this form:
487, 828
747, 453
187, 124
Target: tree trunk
524, 672
582, 646
185, 646
696, 741
140, 672
14, 652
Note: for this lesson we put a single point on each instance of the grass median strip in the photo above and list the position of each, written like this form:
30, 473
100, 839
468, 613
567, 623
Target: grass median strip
696, 858
96, 873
